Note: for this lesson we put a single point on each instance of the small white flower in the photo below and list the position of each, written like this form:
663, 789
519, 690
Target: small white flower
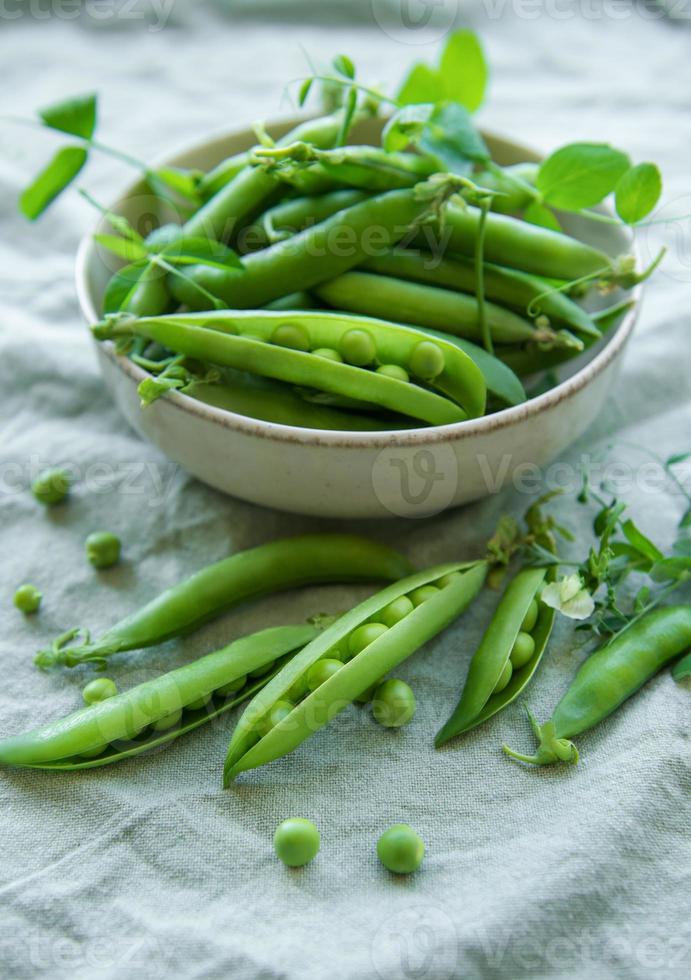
569, 597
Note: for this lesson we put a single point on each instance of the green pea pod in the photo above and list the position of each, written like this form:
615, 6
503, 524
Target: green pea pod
480, 700
273, 567
115, 724
682, 669
262, 398
316, 254
215, 337
508, 287
289, 217
519, 245
430, 306
250, 187
460, 583
607, 678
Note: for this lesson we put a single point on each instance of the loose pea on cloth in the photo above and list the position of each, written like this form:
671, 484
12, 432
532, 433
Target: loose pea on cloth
149, 869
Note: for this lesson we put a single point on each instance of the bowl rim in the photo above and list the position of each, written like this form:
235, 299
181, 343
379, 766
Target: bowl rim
338, 438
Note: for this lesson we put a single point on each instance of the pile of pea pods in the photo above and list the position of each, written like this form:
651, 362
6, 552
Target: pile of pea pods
294, 679
342, 287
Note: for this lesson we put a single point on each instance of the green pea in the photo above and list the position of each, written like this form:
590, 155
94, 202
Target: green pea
199, 703
396, 611
504, 678
99, 690
291, 335
393, 371
367, 694
400, 849
449, 579
393, 704
363, 636
27, 598
298, 689
522, 650
103, 549
170, 721
231, 687
530, 617
321, 671
296, 842
358, 347
51, 487
427, 361
425, 592
260, 671
93, 753
328, 353
280, 710
253, 336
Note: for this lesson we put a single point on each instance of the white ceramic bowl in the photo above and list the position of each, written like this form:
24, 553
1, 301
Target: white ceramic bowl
412, 473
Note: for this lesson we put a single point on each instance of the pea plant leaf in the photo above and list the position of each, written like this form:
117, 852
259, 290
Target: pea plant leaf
675, 568
451, 137
463, 70
304, 91
123, 284
76, 115
126, 249
183, 182
344, 66
204, 251
422, 84
581, 175
406, 126
52, 180
537, 214
637, 192
642, 544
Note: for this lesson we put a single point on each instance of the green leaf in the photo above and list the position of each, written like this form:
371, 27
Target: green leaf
304, 91
677, 459
581, 175
348, 114
76, 116
123, 285
52, 180
406, 126
640, 542
463, 70
128, 250
344, 66
182, 181
205, 251
538, 214
422, 84
637, 192
451, 137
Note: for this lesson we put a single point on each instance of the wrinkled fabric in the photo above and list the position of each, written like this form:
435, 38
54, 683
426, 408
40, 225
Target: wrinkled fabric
149, 868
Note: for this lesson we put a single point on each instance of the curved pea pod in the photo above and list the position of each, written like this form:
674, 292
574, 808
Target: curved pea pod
519, 245
215, 337
115, 725
509, 287
607, 678
289, 217
480, 700
315, 254
272, 567
393, 645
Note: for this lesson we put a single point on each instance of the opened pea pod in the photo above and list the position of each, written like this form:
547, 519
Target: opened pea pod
508, 655
158, 711
371, 361
372, 639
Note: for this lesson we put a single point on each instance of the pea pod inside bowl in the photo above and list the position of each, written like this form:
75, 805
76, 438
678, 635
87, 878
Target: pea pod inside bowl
301, 449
